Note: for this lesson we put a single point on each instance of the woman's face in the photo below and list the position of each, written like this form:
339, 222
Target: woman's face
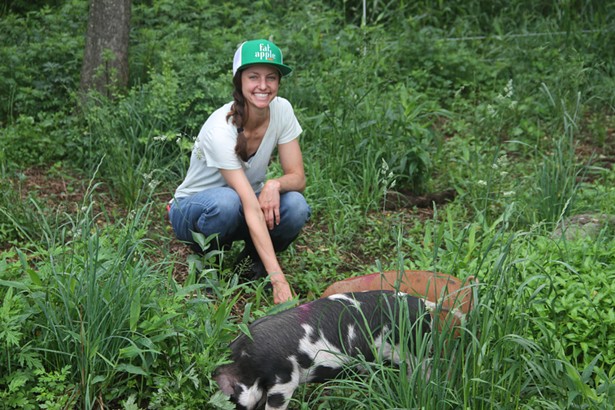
259, 85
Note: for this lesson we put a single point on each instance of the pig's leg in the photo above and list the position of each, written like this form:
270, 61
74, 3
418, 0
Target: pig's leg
280, 393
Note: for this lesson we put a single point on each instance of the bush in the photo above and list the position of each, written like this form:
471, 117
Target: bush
42, 61
503, 102
578, 291
92, 321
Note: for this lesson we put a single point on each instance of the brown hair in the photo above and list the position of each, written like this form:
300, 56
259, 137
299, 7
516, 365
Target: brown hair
240, 117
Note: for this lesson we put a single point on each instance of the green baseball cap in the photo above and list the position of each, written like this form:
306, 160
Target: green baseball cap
259, 52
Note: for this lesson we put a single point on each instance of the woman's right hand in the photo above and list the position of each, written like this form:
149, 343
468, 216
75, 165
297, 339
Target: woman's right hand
281, 288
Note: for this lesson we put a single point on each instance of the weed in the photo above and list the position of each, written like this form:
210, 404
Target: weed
490, 99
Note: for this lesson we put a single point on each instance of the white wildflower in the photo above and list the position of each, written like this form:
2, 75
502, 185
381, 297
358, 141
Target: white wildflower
384, 167
508, 90
153, 184
502, 160
491, 111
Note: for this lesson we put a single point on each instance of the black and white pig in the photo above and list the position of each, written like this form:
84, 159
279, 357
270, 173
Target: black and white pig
312, 342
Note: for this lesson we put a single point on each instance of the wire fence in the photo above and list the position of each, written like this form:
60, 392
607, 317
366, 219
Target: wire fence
526, 35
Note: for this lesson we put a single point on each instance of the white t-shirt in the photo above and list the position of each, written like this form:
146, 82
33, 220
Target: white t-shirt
214, 149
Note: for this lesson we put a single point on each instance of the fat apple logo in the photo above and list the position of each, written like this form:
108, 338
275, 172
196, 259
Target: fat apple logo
264, 53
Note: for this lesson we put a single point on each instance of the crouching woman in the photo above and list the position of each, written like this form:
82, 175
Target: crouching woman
225, 191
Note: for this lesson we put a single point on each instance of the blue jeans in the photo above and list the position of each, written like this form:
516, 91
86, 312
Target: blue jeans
219, 211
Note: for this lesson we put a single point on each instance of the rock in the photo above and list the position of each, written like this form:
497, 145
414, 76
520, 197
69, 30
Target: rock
583, 226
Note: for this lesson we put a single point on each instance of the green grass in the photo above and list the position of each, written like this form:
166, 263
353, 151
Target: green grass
510, 104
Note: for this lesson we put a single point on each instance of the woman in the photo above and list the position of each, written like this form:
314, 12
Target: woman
225, 191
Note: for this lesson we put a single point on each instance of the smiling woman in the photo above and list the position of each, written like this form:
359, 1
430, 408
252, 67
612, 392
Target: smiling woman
225, 192
259, 84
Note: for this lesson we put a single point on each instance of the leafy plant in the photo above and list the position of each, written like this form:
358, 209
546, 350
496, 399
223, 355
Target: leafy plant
504, 102
557, 176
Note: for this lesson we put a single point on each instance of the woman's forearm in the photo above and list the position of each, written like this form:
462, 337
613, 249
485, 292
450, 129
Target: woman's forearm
288, 182
261, 239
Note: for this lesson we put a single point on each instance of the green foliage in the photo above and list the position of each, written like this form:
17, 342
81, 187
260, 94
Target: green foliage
52, 391
493, 99
16, 352
107, 323
24, 6
18, 209
579, 298
135, 159
23, 380
39, 74
41, 139
557, 175
495, 16
42, 60
529, 289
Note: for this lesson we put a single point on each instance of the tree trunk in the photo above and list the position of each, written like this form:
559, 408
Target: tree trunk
105, 61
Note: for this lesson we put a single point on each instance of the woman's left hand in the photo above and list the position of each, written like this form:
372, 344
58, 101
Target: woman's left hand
269, 200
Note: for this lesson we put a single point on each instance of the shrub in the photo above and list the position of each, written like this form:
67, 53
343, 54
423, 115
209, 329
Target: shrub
42, 61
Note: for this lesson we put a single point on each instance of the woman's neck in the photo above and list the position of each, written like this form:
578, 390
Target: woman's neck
257, 118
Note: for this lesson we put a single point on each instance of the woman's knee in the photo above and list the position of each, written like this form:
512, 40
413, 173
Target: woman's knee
294, 209
209, 212
221, 212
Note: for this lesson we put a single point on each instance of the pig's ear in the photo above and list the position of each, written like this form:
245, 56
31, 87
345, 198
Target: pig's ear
226, 380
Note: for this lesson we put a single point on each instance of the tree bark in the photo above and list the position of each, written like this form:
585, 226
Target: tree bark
105, 60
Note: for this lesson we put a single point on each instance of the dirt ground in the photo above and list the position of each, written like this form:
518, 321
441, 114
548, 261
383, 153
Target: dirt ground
61, 191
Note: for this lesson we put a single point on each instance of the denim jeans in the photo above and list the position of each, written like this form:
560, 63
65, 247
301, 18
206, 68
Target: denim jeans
219, 211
